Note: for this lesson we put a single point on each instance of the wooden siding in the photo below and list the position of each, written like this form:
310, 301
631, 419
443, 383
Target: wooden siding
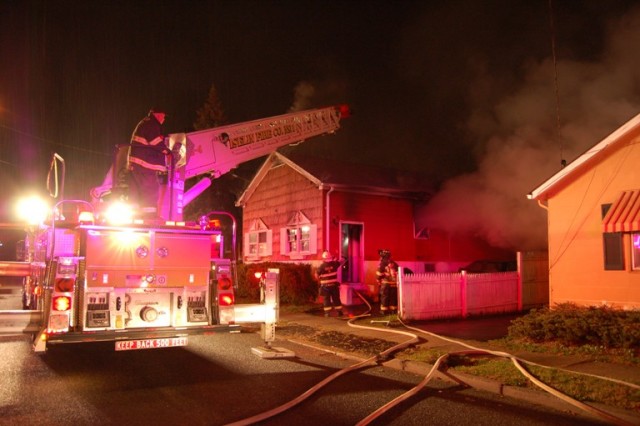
278, 196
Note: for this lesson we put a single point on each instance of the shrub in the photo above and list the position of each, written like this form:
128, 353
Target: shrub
297, 285
572, 325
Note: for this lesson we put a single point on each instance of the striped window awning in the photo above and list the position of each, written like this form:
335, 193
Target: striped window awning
624, 214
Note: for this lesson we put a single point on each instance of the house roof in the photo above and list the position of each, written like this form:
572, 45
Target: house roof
622, 136
350, 177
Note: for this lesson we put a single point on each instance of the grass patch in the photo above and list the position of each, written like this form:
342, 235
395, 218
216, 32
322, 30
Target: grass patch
341, 341
430, 356
577, 386
499, 369
589, 389
595, 353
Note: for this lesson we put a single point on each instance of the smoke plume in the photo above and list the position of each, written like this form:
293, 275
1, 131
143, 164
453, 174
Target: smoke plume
302, 96
521, 141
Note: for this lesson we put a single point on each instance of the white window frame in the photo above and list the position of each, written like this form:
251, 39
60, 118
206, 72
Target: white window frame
258, 240
292, 241
635, 251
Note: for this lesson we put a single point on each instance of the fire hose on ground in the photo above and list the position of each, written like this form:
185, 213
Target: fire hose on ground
413, 339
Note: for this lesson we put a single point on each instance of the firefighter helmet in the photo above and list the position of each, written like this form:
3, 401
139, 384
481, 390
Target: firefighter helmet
158, 110
326, 255
384, 253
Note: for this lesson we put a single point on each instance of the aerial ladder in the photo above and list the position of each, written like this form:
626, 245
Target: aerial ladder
210, 153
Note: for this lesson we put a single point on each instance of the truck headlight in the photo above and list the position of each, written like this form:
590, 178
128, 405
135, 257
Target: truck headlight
119, 214
33, 210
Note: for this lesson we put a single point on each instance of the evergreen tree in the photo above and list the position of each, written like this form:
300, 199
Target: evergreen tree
211, 114
223, 192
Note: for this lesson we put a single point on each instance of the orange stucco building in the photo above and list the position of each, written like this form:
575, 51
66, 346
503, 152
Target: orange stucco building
593, 207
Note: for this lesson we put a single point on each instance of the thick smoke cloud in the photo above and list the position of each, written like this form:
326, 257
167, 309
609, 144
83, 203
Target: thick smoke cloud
521, 144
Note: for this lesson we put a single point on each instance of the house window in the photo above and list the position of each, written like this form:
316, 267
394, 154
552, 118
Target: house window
299, 237
611, 246
258, 243
635, 251
258, 240
613, 252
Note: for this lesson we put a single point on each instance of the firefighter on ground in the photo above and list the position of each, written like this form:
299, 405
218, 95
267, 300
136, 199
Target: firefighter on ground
387, 274
327, 276
147, 163
385, 255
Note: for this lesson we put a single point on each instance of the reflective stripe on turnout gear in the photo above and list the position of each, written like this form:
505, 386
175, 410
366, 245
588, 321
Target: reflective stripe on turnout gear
329, 278
146, 165
328, 273
143, 141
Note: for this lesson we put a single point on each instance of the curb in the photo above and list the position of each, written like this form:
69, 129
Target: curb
534, 396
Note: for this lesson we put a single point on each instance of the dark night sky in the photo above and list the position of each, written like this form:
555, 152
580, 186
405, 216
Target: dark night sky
460, 90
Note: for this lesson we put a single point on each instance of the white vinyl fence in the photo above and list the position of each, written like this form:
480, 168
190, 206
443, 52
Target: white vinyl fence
460, 294
450, 295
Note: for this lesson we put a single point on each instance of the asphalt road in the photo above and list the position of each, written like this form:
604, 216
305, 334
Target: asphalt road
481, 329
217, 380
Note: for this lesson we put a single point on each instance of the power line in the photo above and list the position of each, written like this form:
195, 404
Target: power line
59, 144
563, 162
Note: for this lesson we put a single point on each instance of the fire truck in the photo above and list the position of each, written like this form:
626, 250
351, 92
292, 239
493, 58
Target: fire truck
141, 283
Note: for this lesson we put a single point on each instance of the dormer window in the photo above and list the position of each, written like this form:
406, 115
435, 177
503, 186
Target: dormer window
258, 240
299, 238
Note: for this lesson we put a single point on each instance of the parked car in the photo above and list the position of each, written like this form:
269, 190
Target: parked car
480, 266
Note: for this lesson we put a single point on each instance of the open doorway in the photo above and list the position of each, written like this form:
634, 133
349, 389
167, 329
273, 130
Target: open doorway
352, 248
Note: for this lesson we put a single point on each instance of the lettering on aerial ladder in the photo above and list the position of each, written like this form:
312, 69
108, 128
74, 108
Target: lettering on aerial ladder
292, 126
217, 150
242, 140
